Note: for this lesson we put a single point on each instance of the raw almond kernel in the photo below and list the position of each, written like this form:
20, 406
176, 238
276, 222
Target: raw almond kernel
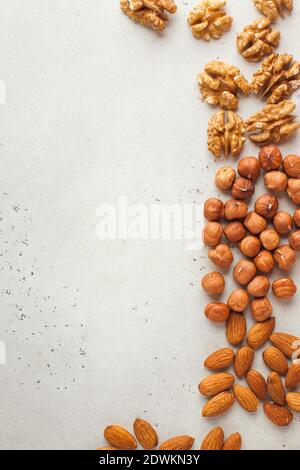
276, 389
233, 442
275, 360
246, 398
218, 404
119, 437
145, 434
236, 328
293, 400
213, 440
216, 383
107, 448
243, 361
285, 342
178, 443
260, 332
257, 384
220, 359
293, 376
279, 415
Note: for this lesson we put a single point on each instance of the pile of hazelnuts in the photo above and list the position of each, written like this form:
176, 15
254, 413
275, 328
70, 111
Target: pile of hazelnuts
257, 233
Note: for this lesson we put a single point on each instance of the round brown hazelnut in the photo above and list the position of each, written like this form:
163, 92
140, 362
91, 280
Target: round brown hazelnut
296, 217
291, 165
213, 209
270, 239
285, 257
238, 300
270, 158
294, 240
264, 261
276, 181
255, 223
259, 286
235, 209
261, 309
212, 234
283, 223
213, 283
234, 231
244, 271
224, 177
266, 205
250, 246
249, 168
242, 188
293, 190
284, 288
221, 256
217, 312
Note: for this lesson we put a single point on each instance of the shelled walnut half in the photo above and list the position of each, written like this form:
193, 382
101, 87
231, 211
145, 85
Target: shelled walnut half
273, 123
208, 19
220, 83
150, 13
277, 78
273, 9
257, 40
225, 134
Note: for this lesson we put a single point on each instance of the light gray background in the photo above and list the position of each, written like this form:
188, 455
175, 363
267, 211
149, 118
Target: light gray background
102, 332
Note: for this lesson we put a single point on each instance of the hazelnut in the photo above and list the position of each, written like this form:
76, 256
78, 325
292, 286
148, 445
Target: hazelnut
285, 257
221, 256
217, 312
213, 209
250, 246
213, 283
264, 261
282, 222
284, 288
266, 205
238, 300
294, 240
234, 231
261, 309
276, 181
242, 188
296, 217
259, 286
291, 165
244, 271
270, 158
293, 190
255, 223
249, 168
224, 177
235, 209
269, 239
212, 234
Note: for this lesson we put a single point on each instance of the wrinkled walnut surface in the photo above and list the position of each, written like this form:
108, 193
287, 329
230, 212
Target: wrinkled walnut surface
257, 40
209, 20
225, 134
273, 9
150, 13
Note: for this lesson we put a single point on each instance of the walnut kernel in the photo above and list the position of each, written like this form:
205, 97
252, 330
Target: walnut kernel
150, 13
209, 20
225, 134
257, 40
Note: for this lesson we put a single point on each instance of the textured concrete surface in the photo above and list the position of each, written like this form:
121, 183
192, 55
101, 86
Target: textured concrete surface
103, 331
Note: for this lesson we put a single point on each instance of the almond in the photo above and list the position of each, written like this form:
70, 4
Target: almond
243, 361
246, 398
218, 404
275, 360
257, 384
213, 440
220, 359
178, 443
260, 332
293, 376
285, 342
119, 437
293, 400
145, 434
107, 448
276, 389
279, 415
216, 383
233, 442
236, 328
